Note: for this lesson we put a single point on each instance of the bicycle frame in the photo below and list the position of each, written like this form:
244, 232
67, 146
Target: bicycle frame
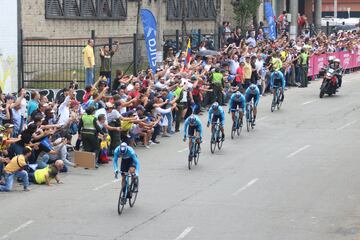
193, 145
216, 131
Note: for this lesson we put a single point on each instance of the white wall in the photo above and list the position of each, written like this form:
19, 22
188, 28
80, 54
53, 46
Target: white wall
8, 45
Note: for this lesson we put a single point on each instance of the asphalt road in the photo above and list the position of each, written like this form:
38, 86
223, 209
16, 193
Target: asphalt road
295, 176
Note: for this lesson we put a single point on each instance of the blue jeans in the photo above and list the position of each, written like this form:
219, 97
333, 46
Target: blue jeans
9, 180
170, 119
89, 78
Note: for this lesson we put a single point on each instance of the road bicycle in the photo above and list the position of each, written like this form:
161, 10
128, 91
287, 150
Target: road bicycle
249, 116
276, 102
216, 139
237, 124
129, 191
194, 151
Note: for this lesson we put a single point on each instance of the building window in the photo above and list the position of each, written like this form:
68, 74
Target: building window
191, 9
86, 9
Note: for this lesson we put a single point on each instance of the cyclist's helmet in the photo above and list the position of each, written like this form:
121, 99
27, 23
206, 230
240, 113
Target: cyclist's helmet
336, 60
331, 59
276, 74
192, 119
123, 148
252, 87
237, 95
215, 106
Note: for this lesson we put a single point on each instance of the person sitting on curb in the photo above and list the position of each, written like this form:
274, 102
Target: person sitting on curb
16, 168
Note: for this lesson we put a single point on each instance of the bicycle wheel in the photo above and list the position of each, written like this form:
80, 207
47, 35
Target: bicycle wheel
133, 191
273, 103
239, 127
233, 130
120, 204
247, 120
197, 154
213, 142
219, 140
190, 161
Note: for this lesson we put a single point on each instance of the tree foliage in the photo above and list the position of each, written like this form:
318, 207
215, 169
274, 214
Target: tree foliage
244, 11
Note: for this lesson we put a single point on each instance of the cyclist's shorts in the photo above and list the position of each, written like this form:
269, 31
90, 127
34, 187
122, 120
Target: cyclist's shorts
253, 96
215, 118
126, 164
236, 105
192, 129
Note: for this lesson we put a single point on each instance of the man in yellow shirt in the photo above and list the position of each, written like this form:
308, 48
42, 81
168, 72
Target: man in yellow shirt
45, 175
89, 62
15, 168
247, 72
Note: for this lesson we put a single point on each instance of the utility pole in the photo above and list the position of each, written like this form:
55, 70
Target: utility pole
294, 9
318, 11
335, 8
183, 25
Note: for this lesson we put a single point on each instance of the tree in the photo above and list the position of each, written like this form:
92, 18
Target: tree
244, 11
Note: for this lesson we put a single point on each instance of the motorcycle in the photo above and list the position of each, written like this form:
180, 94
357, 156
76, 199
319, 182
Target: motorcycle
329, 84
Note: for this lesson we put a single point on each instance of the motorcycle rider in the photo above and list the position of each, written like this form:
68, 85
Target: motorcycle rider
338, 71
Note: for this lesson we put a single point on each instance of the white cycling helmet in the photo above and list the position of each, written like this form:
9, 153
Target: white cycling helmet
336, 60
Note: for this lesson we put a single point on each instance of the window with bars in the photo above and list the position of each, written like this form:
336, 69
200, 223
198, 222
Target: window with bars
193, 9
86, 9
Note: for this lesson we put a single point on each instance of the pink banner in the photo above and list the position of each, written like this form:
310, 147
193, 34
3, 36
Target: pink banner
319, 62
345, 58
311, 67
356, 58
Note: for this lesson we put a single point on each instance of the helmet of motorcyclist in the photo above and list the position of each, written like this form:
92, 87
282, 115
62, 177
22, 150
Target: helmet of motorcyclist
336, 60
331, 59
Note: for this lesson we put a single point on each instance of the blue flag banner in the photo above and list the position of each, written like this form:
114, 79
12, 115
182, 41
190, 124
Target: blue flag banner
269, 14
149, 24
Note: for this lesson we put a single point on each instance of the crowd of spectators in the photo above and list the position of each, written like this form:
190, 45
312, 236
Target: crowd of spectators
37, 134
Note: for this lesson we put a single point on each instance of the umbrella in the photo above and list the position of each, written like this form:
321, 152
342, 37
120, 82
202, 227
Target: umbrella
208, 53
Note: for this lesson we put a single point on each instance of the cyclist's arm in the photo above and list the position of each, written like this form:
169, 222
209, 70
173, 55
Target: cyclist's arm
210, 113
247, 92
244, 102
257, 97
231, 101
115, 160
186, 125
198, 122
283, 83
271, 82
132, 154
222, 113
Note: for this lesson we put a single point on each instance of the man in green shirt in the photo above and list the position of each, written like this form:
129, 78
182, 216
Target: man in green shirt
106, 56
304, 67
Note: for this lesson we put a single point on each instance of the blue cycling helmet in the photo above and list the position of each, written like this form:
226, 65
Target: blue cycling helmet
123, 148
276, 74
192, 119
252, 87
237, 94
215, 106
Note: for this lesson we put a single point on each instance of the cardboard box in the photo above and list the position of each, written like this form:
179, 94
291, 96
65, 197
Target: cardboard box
84, 159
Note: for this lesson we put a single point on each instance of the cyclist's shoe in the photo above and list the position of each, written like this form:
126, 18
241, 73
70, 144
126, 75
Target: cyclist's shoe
136, 185
123, 201
253, 123
282, 98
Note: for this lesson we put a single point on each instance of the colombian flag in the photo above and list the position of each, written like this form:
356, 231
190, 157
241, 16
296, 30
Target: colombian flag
188, 52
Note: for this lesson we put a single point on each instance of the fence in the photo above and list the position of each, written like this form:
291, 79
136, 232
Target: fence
348, 61
55, 63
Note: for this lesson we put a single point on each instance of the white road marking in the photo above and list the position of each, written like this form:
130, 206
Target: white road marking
7, 235
106, 184
305, 103
346, 125
245, 187
297, 151
184, 233
182, 150
262, 118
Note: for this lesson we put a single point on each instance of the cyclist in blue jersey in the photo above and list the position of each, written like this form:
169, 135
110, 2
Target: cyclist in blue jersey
192, 124
129, 163
252, 92
216, 113
237, 101
277, 79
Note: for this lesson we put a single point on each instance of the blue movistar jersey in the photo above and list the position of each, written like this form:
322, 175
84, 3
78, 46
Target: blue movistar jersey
220, 112
233, 99
130, 153
281, 77
249, 94
198, 126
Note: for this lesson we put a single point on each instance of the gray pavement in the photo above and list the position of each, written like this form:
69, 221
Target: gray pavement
295, 176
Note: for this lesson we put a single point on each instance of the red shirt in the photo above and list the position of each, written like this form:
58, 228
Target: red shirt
86, 97
134, 94
239, 71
